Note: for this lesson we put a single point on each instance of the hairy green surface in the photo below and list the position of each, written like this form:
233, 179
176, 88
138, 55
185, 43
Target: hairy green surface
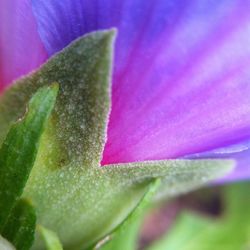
19, 149
77, 128
126, 235
178, 176
51, 239
231, 232
72, 194
20, 227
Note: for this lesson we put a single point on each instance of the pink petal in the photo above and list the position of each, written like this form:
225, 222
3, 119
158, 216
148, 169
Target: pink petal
181, 82
21, 49
187, 90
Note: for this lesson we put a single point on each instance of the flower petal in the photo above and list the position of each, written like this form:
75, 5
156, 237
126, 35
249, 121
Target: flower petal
21, 49
239, 152
188, 93
181, 83
242, 170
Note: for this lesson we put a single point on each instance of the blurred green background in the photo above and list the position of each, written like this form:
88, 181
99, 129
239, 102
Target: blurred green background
213, 218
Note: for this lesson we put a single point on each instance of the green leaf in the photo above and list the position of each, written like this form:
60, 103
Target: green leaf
232, 232
19, 149
5, 245
51, 239
126, 235
73, 195
20, 227
64, 184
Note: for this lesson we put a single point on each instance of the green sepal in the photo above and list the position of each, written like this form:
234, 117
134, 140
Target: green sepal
19, 149
63, 179
20, 226
178, 176
51, 239
125, 236
74, 196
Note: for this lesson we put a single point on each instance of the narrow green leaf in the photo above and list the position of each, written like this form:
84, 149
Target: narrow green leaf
20, 227
19, 149
5, 245
51, 239
126, 235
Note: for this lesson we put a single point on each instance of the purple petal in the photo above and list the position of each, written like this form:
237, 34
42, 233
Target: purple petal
21, 49
242, 170
240, 153
181, 83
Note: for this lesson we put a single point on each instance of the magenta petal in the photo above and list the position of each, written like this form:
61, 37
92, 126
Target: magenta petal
181, 83
21, 49
187, 91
